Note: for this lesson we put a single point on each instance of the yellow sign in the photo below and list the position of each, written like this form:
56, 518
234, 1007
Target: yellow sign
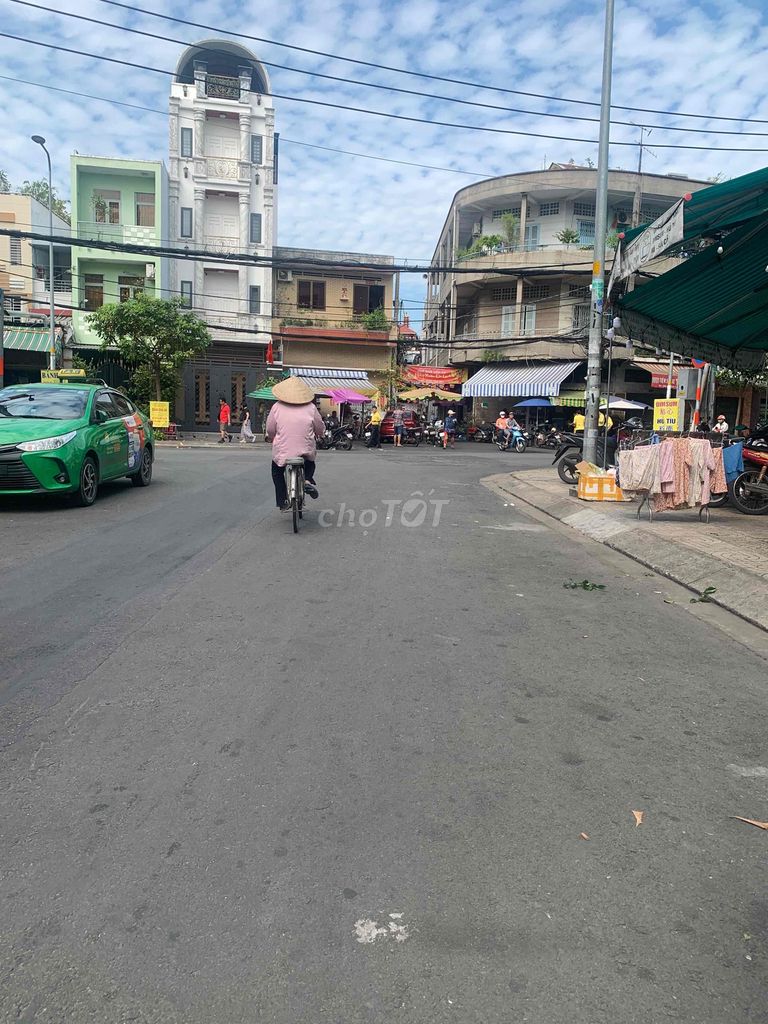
49, 377
160, 414
668, 413
71, 373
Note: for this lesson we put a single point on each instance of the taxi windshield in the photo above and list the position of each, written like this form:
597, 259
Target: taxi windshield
54, 403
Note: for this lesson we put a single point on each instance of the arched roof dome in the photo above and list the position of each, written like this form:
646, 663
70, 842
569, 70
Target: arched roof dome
223, 57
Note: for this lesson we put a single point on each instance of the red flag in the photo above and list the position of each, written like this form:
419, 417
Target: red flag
270, 353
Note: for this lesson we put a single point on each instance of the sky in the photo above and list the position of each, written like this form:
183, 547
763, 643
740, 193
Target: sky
702, 58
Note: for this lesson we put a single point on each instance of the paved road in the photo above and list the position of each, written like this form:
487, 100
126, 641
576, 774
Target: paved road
230, 753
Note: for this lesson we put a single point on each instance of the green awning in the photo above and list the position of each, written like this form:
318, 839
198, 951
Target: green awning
21, 339
721, 207
711, 306
264, 394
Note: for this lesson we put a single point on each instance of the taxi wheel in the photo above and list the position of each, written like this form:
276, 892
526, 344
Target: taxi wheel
88, 488
144, 476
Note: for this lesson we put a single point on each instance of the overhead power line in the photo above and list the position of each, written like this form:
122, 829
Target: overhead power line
421, 74
249, 260
376, 85
387, 114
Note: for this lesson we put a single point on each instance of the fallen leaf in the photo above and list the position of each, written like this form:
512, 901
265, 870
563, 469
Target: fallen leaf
639, 815
583, 835
751, 821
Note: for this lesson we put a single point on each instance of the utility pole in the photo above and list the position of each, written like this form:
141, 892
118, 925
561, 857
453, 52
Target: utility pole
2, 327
594, 353
52, 327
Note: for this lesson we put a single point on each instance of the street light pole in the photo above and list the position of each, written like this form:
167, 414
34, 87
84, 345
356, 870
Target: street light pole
594, 353
52, 346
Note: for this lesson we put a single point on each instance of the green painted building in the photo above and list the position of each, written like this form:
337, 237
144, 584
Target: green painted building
124, 201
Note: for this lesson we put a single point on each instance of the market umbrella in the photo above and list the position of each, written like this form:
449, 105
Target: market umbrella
623, 403
533, 403
347, 395
415, 394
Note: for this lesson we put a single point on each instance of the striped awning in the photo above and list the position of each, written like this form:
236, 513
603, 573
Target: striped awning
21, 339
518, 380
321, 379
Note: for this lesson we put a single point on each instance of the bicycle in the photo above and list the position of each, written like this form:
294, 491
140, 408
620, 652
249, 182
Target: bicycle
294, 484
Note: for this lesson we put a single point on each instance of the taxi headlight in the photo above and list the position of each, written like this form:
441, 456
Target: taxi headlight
47, 444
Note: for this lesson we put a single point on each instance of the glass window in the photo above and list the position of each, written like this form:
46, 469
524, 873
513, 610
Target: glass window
257, 149
584, 209
186, 141
531, 237
186, 222
310, 294
15, 251
256, 228
55, 403
106, 206
94, 291
145, 209
548, 209
104, 408
122, 404
528, 320
130, 287
254, 299
507, 319
186, 292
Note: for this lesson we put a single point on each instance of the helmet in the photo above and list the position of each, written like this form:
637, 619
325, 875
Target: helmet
450, 412
634, 422
503, 412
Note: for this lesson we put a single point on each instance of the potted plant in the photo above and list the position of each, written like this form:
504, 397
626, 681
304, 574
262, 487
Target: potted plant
567, 236
99, 204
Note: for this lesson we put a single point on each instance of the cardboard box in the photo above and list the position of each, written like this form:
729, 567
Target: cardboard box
599, 487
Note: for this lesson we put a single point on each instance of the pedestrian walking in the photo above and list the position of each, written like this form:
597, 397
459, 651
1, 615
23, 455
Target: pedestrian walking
450, 428
246, 432
225, 420
398, 421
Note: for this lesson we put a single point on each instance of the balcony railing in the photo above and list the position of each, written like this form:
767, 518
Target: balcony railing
222, 87
100, 231
222, 243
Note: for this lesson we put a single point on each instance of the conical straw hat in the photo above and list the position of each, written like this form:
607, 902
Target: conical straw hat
294, 391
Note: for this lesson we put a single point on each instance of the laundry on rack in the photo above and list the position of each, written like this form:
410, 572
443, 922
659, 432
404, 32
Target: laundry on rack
733, 460
681, 472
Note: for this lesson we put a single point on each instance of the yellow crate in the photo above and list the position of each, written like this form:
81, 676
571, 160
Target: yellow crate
594, 487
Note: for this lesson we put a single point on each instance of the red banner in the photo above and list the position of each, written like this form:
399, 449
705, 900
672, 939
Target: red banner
436, 375
659, 380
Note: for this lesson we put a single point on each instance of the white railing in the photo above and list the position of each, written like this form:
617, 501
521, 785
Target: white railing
222, 243
100, 231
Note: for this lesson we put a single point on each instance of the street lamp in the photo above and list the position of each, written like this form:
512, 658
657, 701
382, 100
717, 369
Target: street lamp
52, 346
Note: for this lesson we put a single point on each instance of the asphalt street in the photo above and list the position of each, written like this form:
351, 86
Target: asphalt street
384, 770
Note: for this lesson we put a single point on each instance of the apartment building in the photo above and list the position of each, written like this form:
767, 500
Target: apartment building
335, 324
123, 201
25, 281
523, 247
223, 199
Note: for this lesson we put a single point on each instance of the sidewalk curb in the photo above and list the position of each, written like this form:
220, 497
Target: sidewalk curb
738, 591
209, 444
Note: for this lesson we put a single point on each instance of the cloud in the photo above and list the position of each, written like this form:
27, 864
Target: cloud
706, 58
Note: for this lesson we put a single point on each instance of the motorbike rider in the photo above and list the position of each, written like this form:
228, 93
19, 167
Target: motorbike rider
332, 421
501, 423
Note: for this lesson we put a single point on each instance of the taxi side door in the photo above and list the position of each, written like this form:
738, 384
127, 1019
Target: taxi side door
111, 440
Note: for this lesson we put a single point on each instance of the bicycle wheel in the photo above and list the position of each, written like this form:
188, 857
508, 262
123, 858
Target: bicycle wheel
296, 513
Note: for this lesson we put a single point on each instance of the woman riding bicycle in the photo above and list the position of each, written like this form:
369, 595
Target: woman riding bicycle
293, 426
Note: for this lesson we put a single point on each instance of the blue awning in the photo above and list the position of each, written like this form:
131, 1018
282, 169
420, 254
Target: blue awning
517, 380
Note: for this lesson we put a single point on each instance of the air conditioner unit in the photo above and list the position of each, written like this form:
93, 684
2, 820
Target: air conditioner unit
285, 275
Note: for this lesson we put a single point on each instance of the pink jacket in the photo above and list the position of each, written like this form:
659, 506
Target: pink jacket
292, 429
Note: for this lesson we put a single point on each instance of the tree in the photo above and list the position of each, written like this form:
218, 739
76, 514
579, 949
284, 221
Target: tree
39, 190
156, 334
5, 183
567, 236
510, 226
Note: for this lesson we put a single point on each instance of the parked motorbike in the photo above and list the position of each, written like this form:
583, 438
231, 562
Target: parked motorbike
482, 432
339, 438
516, 440
412, 436
548, 437
749, 491
570, 454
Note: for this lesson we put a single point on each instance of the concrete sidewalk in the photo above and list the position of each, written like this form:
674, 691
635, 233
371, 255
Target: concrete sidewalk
730, 553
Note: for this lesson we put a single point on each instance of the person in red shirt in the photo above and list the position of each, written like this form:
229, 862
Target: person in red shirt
225, 418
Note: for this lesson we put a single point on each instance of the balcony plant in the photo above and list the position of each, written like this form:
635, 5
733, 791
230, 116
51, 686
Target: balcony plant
510, 227
568, 237
99, 205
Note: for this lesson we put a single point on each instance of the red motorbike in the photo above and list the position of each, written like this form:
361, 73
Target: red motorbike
749, 491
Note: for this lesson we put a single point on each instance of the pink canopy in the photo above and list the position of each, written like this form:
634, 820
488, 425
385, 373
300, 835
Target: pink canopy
340, 395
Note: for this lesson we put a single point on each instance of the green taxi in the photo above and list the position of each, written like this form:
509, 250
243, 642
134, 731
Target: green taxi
69, 438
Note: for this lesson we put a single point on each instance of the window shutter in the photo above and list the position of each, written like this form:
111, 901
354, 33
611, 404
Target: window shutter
186, 292
254, 303
257, 149
507, 319
256, 228
360, 299
304, 294
186, 222
186, 141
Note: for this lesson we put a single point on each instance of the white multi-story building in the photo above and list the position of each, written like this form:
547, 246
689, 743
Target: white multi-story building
223, 199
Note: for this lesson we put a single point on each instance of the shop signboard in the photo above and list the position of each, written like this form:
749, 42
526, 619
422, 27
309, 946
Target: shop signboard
159, 414
436, 376
668, 414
